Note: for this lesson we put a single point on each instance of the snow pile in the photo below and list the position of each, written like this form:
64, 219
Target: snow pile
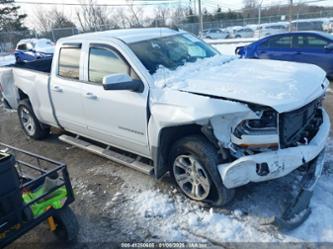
162, 206
179, 77
175, 218
224, 228
7, 60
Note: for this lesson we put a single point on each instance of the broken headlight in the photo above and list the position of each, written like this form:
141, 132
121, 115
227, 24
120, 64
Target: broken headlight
258, 133
267, 124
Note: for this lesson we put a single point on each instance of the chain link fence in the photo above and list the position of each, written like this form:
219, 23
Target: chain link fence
194, 27
8, 40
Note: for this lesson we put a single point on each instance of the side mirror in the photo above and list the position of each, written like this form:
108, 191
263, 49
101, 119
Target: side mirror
329, 46
122, 82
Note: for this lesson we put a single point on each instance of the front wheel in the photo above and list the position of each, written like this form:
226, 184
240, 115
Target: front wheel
194, 163
29, 122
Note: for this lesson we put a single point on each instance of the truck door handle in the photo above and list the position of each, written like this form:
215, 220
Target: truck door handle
90, 96
57, 89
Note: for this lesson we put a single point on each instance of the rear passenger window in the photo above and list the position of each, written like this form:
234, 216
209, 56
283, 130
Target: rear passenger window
69, 63
103, 62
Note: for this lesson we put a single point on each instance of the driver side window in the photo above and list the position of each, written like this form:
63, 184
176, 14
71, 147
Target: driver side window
106, 61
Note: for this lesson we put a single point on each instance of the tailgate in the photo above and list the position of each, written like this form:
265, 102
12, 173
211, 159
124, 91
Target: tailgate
7, 86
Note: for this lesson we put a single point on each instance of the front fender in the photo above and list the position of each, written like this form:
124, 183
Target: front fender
174, 110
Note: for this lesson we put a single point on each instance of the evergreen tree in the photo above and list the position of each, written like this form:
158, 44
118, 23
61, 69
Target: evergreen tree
10, 19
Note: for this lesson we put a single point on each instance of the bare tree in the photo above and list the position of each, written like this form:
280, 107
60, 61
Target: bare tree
250, 3
250, 8
43, 21
135, 16
94, 17
50, 19
179, 14
161, 15
122, 18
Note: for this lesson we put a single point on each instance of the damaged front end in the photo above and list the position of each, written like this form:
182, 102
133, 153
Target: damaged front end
269, 145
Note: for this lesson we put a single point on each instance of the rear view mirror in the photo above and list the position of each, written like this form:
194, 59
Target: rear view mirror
122, 82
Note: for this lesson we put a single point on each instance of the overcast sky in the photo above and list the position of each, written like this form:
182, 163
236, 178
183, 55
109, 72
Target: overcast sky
31, 9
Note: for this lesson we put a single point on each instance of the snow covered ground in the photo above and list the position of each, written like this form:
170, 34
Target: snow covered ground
228, 46
7, 59
228, 49
228, 41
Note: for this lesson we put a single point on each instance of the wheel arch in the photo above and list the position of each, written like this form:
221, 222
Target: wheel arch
166, 138
22, 95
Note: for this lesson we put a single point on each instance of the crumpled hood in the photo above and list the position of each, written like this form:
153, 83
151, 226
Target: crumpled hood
281, 85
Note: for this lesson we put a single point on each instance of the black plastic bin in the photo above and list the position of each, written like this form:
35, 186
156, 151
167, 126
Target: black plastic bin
11, 202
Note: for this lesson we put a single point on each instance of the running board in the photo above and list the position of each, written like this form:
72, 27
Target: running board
109, 154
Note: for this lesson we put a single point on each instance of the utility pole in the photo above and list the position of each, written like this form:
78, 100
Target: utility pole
194, 7
290, 14
259, 12
200, 17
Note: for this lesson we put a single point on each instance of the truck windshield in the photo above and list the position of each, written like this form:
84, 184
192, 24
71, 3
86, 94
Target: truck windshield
171, 51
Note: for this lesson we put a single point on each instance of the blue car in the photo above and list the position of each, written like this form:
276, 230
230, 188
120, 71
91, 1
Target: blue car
28, 50
307, 47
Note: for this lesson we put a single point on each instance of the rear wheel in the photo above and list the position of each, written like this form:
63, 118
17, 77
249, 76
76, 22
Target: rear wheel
194, 163
29, 122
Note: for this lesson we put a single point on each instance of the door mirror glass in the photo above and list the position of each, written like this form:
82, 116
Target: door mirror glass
329, 46
121, 82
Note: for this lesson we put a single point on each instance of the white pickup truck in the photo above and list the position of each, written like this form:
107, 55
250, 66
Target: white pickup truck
161, 100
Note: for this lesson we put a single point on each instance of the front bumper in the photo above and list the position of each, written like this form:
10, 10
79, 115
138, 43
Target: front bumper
279, 163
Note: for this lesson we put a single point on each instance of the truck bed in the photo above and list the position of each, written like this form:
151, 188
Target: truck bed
16, 80
41, 65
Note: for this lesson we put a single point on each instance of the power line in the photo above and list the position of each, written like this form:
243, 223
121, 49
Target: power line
136, 3
150, 3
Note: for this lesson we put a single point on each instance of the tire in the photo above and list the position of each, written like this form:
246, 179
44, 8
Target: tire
29, 122
18, 60
67, 225
199, 150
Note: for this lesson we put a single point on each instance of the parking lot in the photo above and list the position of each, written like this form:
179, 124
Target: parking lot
115, 204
